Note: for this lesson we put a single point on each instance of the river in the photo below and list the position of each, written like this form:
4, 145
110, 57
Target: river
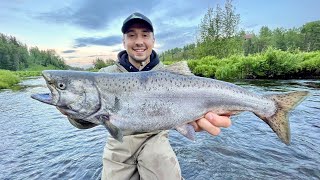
37, 142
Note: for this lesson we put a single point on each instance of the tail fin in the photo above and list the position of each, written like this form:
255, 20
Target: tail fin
279, 121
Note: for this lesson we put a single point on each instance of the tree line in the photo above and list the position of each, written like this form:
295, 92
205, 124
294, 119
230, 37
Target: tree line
99, 63
219, 36
15, 56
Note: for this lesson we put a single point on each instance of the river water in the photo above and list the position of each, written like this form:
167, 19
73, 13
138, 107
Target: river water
37, 142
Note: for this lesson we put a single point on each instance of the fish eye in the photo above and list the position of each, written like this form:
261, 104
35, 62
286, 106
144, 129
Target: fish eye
61, 86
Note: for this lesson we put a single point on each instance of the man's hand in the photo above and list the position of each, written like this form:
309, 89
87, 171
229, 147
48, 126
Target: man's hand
211, 123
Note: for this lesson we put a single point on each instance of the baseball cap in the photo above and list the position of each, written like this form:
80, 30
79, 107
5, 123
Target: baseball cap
133, 18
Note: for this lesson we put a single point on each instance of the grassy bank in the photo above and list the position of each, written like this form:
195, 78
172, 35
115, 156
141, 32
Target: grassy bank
24, 74
8, 79
272, 64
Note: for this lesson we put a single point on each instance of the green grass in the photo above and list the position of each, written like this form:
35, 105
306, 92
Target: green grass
24, 74
8, 79
271, 64
34, 70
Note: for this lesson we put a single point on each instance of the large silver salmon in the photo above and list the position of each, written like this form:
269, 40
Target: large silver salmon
128, 103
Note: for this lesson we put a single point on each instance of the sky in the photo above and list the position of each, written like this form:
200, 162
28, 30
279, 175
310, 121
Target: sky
82, 30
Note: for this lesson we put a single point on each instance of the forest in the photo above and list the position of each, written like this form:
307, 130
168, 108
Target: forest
16, 56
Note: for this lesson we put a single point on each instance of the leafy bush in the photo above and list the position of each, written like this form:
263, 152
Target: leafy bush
271, 64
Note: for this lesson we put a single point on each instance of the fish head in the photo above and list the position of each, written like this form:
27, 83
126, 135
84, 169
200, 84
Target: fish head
74, 93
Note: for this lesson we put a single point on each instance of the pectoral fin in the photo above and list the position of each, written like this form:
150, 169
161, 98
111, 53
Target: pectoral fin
114, 131
187, 130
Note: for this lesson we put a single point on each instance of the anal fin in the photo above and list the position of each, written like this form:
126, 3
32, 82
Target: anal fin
187, 130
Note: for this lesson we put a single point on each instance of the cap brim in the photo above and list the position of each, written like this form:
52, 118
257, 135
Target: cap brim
129, 23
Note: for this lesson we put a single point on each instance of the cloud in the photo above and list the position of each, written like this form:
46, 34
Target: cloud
175, 21
98, 14
98, 55
68, 51
100, 41
78, 45
178, 37
72, 57
95, 14
117, 50
252, 25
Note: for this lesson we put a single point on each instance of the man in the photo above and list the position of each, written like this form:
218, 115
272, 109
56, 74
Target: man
147, 155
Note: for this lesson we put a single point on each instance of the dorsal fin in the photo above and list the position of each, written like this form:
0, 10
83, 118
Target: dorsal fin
180, 67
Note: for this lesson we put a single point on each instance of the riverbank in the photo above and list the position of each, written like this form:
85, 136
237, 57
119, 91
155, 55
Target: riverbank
10, 78
271, 64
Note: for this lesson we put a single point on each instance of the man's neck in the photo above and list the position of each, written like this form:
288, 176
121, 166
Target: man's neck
139, 65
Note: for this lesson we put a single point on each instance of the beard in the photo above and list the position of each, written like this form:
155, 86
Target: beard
139, 59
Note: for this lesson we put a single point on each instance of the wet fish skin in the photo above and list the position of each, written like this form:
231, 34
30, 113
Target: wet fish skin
128, 103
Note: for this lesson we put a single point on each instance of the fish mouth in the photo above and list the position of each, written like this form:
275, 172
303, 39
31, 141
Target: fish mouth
45, 98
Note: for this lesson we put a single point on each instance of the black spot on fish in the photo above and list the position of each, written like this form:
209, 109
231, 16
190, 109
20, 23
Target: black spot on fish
318, 126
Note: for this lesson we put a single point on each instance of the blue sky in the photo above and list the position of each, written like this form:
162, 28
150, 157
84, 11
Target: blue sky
82, 30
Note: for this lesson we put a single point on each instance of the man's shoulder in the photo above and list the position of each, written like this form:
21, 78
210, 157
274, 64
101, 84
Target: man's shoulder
159, 66
111, 69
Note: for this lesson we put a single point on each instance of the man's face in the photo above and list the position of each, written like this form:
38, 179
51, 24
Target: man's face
138, 42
